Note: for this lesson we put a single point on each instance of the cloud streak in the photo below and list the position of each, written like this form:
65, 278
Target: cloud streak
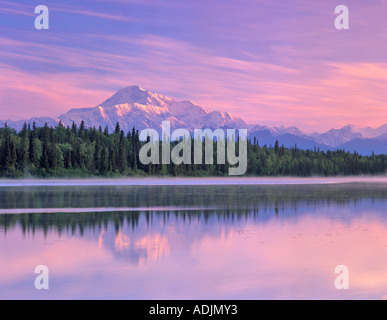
276, 64
89, 13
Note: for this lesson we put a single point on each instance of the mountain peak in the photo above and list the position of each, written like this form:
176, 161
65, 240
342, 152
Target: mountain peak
131, 94
133, 90
134, 106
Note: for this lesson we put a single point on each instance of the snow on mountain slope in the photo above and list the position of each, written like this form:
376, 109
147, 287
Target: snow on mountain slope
39, 122
136, 107
337, 137
372, 132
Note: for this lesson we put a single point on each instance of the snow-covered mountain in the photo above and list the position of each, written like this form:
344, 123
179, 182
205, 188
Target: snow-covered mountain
364, 141
337, 137
140, 108
39, 122
371, 133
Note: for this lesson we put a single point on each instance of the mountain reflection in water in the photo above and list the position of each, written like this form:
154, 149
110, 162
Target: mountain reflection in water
233, 241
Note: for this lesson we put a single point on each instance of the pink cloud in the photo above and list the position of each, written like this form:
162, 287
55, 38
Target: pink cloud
316, 97
90, 13
15, 8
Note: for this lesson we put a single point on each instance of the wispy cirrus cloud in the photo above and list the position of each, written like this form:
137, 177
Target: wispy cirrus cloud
15, 8
18, 12
90, 13
18, 9
251, 89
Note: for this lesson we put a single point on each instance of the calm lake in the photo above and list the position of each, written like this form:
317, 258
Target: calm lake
194, 241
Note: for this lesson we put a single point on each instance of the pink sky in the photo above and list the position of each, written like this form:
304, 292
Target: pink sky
267, 62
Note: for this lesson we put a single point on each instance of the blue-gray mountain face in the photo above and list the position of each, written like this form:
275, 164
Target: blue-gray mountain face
139, 108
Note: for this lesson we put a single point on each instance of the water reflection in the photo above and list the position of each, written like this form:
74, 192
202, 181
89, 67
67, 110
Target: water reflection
229, 197
246, 242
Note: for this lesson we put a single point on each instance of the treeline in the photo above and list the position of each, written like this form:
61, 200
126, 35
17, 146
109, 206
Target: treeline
90, 152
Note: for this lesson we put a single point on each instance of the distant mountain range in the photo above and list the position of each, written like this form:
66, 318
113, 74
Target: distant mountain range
136, 107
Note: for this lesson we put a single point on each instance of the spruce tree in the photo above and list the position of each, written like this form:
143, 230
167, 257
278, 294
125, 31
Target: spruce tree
24, 147
118, 129
122, 153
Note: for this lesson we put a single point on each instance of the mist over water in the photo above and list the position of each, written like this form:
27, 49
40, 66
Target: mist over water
194, 242
193, 181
